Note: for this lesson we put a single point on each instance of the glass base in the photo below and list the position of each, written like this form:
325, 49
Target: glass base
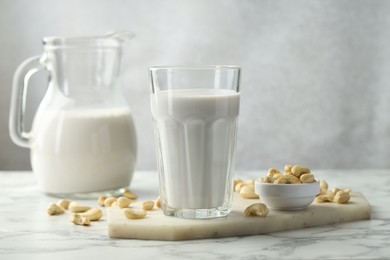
89, 195
222, 211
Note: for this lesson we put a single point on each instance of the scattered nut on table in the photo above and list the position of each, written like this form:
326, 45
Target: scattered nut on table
248, 192
109, 201
158, 202
257, 209
327, 197
341, 196
92, 214
123, 202
101, 200
134, 214
54, 209
77, 208
130, 195
148, 205
77, 219
63, 203
236, 181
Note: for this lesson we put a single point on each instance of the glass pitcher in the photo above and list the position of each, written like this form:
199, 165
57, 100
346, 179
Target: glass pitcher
82, 140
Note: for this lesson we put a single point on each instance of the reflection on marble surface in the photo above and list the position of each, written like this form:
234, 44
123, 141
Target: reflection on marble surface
27, 232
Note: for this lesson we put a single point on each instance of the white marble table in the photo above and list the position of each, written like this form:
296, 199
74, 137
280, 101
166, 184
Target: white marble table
27, 232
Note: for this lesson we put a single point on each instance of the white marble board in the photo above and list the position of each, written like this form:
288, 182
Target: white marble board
157, 226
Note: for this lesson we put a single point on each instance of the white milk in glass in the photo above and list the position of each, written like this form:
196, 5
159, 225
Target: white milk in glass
196, 135
82, 150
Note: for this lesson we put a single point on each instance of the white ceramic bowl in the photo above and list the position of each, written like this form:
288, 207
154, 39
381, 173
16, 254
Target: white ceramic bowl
287, 196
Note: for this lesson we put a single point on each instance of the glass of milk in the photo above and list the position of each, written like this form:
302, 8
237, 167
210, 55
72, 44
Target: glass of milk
195, 113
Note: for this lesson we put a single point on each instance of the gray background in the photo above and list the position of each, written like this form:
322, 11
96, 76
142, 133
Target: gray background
315, 82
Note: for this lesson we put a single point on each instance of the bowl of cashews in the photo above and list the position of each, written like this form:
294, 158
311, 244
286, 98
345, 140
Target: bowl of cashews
294, 189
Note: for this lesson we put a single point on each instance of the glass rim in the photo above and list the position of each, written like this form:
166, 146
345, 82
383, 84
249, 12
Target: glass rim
65, 42
195, 67
109, 40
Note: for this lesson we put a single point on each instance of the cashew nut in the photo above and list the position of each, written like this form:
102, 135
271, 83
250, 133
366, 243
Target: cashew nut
327, 197
80, 220
347, 190
248, 192
287, 168
236, 181
306, 178
335, 190
240, 185
54, 209
101, 200
158, 202
123, 202
109, 201
323, 187
287, 179
272, 171
128, 194
275, 176
249, 182
266, 179
257, 209
341, 197
134, 214
147, 205
93, 214
298, 170
63, 203
77, 208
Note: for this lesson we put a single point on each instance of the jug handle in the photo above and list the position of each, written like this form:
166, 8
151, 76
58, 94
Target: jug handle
18, 100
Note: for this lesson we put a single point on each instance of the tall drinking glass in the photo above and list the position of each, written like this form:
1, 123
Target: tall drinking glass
195, 113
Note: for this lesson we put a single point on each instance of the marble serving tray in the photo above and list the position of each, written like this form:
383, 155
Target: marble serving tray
157, 226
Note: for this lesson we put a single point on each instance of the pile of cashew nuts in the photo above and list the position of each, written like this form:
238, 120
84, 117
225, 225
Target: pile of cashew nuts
83, 214
293, 174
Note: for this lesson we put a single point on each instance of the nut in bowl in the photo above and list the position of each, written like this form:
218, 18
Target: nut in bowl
293, 190
287, 196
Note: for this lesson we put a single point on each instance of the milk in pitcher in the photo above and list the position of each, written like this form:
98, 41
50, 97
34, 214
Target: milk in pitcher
83, 150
